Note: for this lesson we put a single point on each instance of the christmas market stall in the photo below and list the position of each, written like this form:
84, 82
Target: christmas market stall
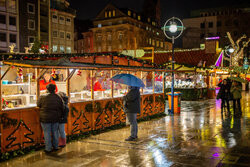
95, 101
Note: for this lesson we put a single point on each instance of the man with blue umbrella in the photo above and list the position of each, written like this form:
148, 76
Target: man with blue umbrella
131, 101
132, 108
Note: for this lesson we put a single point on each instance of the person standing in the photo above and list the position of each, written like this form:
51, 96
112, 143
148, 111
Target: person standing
236, 91
63, 120
51, 107
224, 94
132, 107
46, 81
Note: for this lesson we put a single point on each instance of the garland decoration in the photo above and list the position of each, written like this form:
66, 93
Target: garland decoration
6, 122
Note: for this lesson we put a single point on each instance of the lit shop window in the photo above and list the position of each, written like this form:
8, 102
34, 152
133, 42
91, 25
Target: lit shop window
54, 48
62, 49
68, 50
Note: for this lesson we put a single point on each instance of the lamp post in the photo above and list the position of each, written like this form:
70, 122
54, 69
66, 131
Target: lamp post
173, 29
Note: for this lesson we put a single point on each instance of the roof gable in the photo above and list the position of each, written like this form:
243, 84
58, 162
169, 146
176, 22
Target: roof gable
109, 8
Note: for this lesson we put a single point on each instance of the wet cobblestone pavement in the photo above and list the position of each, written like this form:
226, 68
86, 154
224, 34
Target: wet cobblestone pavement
199, 136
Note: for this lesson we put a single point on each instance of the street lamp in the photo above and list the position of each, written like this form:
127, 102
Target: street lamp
229, 50
173, 29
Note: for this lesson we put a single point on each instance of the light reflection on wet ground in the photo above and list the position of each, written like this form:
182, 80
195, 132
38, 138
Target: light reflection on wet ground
199, 136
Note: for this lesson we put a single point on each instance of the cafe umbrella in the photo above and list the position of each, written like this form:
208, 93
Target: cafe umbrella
128, 79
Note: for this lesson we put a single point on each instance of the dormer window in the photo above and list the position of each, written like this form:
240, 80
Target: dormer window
106, 14
110, 14
129, 13
134, 15
149, 20
113, 13
139, 17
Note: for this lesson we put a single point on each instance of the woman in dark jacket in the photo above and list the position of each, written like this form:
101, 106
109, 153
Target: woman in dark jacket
224, 94
51, 107
64, 120
132, 108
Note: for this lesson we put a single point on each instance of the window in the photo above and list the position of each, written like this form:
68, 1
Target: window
106, 14
149, 20
61, 20
153, 42
153, 23
236, 23
2, 37
235, 33
68, 36
161, 44
12, 21
12, 5
61, 34
109, 48
68, 21
99, 25
68, 50
113, 13
150, 41
62, 49
2, 19
202, 36
31, 24
139, 17
109, 37
110, 14
54, 48
31, 8
13, 38
54, 18
2, 3
202, 25
210, 24
134, 15
99, 38
31, 39
227, 23
55, 34
120, 36
99, 49
129, 13
157, 43
218, 23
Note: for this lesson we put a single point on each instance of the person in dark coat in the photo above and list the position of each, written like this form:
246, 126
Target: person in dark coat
64, 120
236, 91
224, 94
132, 107
51, 107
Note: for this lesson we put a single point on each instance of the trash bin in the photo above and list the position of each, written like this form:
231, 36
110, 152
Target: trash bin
177, 101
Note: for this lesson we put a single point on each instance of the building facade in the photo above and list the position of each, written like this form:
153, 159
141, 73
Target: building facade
215, 22
62, 27
9, 25
123, 29
33, 22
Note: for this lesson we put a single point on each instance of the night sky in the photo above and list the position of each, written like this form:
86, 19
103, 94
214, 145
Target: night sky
88, 9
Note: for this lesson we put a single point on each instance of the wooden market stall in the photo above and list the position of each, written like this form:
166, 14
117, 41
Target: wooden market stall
95, 101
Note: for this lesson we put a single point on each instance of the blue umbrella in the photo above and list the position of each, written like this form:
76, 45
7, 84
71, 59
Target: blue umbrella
128, 79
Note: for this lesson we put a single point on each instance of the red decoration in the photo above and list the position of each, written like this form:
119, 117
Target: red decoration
20, 72
79, 73
53, 74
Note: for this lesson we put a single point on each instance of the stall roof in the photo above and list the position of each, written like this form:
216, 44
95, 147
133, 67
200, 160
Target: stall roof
188, 58
66, 63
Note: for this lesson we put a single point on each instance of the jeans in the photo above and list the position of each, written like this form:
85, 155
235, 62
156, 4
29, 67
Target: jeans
223, 102
48, 129
238, 105
61, 130
133, 124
